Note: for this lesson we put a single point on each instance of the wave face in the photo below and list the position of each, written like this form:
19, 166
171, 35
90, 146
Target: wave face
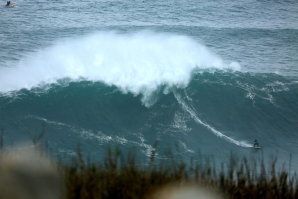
134, 89
225, 110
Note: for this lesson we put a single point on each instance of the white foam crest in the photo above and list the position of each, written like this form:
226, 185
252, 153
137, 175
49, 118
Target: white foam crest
139, 63
214, 131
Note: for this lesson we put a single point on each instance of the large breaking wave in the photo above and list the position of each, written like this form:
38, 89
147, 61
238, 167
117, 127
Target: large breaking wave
139, 63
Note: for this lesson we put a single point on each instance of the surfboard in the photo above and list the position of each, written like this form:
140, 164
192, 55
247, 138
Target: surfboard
257, 147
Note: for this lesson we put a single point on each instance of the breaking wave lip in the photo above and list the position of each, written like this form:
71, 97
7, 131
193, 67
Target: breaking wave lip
140, 63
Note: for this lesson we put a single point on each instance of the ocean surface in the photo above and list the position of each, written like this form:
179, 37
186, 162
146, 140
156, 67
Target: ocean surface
202, 78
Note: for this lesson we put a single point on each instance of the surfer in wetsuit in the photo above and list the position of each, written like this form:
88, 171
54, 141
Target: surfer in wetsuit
8, 3
256, 144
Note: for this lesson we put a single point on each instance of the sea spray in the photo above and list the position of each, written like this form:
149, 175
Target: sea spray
140, 63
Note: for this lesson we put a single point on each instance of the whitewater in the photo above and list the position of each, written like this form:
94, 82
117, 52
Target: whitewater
139, 63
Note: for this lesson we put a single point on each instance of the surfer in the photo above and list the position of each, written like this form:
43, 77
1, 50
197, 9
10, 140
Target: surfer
256, 144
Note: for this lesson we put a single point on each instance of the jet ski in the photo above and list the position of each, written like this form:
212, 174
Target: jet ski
9, 4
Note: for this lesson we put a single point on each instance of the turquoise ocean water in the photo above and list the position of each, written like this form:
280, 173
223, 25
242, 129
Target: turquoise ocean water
200, 77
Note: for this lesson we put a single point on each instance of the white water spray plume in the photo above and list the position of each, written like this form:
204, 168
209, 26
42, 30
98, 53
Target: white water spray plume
139, 63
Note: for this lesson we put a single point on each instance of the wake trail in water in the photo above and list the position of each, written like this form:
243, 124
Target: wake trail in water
100, 136
48, 121
197, 119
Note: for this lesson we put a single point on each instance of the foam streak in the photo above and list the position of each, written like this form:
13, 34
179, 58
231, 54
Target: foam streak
214, 131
